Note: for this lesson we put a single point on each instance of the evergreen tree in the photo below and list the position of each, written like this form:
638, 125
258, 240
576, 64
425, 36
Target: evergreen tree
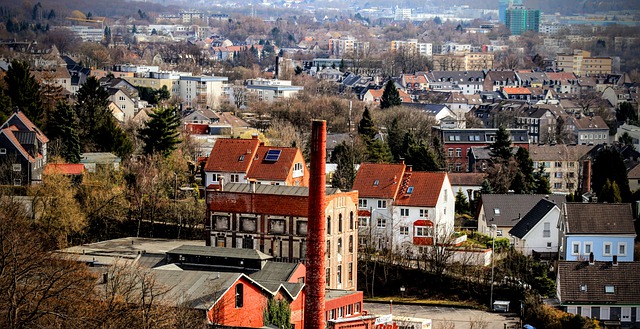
462, 205
486, 187
609, 165
438, 150
609, 193
378, 152
421, 158
63, 133
366, 127
390, 96
94, 116
524, 180
278, 314
395, 137
5, 106
160, 134
345, 172
24, 91
52, 15
500, 149
542, 185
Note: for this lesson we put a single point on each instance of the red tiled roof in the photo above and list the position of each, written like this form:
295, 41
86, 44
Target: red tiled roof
197, 128
388, 177
232, 155
426, 188
272, 170
64, 168
516, 90
377, 95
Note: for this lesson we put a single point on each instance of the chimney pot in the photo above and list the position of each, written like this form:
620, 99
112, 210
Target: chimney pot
591, 259
615, 260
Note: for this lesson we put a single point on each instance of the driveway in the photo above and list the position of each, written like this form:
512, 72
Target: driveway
448, 317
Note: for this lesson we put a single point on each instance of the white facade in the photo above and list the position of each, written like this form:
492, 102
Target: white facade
201, 91
270, 90
543, 237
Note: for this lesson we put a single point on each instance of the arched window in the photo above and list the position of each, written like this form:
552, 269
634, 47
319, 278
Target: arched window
351, 220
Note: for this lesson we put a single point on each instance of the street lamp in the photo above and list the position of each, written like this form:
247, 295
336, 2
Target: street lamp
494, 228
402, 290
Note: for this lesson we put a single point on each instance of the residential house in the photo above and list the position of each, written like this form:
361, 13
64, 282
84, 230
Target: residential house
532, 79
539, 122
75, 171
517, 93
23, 151
56, 76
506, 210
537, 232
203, 116
588, 130
468, 82
562, 164
252, 216
495, 80
374, 96
480, 158
457, 143
403, 210
634, 178
563, 82
124, 102
242, 160
458, 103
414, 82
437, 111
604, 230
603, 290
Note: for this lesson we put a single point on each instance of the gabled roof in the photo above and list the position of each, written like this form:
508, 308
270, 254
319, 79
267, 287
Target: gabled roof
424, 186
582, 283
377, 95
22, 123
506, 210
558, 152
232, 155
516, 91
64, 168
378, 180
9, 133
598, 218
634, 173
532, 218
466, 179
588, 122
263, 169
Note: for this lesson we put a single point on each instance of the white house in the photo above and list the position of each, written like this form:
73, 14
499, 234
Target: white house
537, 231
201, 91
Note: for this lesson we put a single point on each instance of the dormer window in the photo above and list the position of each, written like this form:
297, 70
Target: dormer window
376, 182
496, 211
609, 289
241, 158
583, 288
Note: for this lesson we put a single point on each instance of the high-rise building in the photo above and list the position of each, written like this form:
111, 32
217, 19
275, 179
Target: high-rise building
520, 19
502, 8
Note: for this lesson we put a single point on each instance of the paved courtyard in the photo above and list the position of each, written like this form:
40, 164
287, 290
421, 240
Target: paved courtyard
447, 317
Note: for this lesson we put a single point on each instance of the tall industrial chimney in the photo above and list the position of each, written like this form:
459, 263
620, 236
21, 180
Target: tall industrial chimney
315, 282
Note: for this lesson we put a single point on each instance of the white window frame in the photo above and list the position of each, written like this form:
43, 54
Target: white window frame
382, 204
605, 310
622, 244
546, 230
586, 311
572, 309
423, 231
625, 314
404, 230
363, 221
404, 212
590, 244
424, 213
3, 150
573, 248
381, 222
362, 203
17, 167
604, 248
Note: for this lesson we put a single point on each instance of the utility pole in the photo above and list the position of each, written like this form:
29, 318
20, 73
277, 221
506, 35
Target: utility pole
494, 228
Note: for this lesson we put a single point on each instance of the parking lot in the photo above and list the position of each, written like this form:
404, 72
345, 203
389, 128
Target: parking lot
447, 317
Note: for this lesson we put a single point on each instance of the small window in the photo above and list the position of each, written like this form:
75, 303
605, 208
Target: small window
583, 288
622, 249
410, 190
17, 167
404, 212
239, 295
382, 204
3, 151
362, 203
575, 248
548, 245
376, 182
609, 289
241, 158
606, 249
404, 230
496, 211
